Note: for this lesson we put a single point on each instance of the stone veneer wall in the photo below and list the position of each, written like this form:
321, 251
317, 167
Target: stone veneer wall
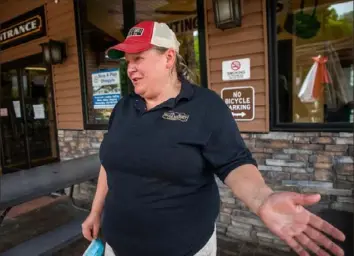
305, 162
74, 144
301, 162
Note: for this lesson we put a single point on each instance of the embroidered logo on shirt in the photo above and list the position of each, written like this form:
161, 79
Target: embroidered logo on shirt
175, 116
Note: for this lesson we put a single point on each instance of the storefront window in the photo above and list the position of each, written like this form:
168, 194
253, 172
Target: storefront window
315, 73
183, 20
101, 25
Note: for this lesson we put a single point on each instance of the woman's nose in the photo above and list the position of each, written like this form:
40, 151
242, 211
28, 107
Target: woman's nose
131, 68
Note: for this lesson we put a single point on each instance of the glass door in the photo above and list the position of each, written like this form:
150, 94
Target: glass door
12, 122
27, 119
40, 118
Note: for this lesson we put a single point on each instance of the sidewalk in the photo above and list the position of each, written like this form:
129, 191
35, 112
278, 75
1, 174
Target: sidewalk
225, 248
20, 226
34, 218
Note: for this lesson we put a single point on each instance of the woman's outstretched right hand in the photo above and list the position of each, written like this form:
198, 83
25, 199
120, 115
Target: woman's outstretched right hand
91, 226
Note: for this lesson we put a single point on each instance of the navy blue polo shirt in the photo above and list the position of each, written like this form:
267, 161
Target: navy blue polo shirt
163, 198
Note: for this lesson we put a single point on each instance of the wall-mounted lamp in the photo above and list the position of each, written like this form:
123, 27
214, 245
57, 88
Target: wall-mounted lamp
54, 52
227, 13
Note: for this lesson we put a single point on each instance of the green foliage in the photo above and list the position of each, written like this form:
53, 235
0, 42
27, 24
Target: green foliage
196, 52
124, 80
335, 26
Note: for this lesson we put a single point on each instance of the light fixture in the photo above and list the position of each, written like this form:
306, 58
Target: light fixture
36, 68
227, 13
54, 52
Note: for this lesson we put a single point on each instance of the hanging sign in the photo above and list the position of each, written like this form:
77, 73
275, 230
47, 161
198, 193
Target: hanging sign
106, 88
236, 69
23, 28
186, 25
240, 101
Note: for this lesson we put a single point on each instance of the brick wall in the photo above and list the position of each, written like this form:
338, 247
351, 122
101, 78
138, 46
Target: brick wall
302, 162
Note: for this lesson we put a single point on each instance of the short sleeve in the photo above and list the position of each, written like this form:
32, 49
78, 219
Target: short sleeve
225, 149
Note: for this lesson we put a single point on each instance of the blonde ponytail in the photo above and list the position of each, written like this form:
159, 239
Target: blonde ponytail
181, 66
183, 70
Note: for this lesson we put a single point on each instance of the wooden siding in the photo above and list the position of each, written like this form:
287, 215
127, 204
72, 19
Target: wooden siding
248, 41
60, 26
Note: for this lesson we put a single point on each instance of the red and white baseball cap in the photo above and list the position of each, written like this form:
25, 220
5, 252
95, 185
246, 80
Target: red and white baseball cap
143, 36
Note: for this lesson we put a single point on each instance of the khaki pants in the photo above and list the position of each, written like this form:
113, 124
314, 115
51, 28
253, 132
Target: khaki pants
209, 248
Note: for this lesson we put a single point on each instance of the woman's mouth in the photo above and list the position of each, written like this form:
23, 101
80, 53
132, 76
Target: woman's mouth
135, 80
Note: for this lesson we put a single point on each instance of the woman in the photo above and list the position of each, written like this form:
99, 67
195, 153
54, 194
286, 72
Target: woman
164, 144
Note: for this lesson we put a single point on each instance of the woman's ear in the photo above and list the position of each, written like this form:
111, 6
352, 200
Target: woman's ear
171, 58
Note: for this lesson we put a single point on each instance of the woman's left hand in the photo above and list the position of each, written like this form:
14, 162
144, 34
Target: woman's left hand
283, 213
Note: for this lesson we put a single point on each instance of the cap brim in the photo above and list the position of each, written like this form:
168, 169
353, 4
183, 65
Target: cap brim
118, 51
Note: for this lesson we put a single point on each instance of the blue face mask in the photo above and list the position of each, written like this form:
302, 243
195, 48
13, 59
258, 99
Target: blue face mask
96, 248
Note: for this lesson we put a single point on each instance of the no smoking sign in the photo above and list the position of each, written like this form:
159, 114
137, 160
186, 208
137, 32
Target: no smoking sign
235, 65
236, 69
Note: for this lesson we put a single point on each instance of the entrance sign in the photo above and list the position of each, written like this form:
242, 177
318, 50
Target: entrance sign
106, 88
240, 101
236, 69
23, 28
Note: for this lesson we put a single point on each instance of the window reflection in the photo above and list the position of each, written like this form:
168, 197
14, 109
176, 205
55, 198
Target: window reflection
315, 61
102, 28
181, 16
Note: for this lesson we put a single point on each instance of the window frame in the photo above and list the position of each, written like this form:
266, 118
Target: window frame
129, 17
275, 124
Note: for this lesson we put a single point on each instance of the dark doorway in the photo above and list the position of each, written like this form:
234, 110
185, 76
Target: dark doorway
27, 120
285, 80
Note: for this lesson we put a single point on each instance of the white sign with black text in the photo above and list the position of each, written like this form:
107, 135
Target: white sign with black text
236, 69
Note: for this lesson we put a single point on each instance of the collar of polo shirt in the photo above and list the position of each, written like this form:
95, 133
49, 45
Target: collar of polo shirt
186, 92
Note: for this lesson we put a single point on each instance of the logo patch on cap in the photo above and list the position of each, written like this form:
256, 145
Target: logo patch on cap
135, 32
